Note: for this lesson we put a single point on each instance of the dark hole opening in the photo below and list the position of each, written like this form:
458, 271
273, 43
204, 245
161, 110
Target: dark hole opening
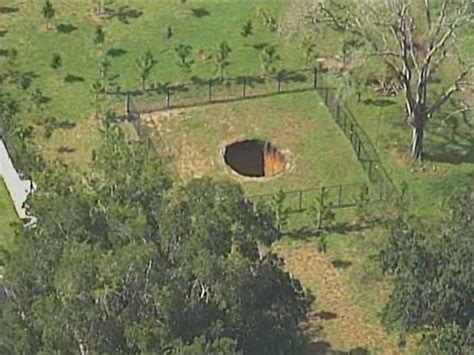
254, 158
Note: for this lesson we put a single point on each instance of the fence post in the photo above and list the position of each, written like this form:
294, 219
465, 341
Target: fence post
358, 148
278, 82
209, 91
127, 106
244, 85
339, 195
337, 110
323, 189
300, 203
315, 77
168, 98
351, 133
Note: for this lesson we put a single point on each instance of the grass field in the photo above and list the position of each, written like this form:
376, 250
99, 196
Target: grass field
349, 291
297, 124
7, 217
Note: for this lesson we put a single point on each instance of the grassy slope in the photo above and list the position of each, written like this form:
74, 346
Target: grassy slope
296, 123
7, 217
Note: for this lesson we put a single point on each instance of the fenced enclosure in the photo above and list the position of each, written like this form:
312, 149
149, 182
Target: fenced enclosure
202, 92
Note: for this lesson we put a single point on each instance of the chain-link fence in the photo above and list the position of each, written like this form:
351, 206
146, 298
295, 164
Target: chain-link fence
206, 91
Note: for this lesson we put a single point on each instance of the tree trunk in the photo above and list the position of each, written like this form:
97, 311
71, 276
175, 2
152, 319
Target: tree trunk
417, 143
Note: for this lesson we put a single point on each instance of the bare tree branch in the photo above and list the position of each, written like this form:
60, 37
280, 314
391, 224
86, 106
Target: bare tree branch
449, 91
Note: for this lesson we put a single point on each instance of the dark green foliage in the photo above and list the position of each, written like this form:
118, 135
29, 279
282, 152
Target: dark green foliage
145, 64
279, 210
56, 61
247, 29
120, 263
48, 12
269, 57
183, 52
221, 59
432, 273
99, 36
268, 20
50, 124
322, 212
308, 45
168, 32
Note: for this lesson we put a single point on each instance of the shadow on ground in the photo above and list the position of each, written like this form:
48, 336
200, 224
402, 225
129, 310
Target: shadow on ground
323, 347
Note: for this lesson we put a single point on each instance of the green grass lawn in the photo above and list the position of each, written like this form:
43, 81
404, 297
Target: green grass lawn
7, 217
203, 25
297, 124
449, 151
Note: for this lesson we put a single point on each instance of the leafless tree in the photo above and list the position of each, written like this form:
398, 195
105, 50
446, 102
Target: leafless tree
415, 39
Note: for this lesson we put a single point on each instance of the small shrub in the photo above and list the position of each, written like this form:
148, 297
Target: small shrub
56, 61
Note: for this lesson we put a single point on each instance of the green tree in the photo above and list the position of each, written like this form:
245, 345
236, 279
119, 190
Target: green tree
145, 64
247, 29
221, 59
119, 262
99, 36
414, 40
308, 45
431, 269
38, 99
279, 211
48, 12
56, 61
183, 52
269, 57
96, 89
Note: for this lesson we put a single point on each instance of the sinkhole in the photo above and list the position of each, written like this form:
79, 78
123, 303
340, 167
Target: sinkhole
254, 158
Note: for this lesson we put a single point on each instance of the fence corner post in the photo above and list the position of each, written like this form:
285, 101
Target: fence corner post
244, 86
167, 97
209, 92
127, 105
315, 77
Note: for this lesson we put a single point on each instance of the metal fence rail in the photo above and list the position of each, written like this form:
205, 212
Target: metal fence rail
206, 91
338, 196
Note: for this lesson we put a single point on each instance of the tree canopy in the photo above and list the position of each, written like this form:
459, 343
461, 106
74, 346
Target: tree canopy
414, 40
123, 262
433, 277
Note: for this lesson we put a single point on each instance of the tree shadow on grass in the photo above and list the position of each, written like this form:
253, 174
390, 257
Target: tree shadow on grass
66, 150
379, 102
116, 52
71, 79
3, 33
341, 264
124, 14
200, 12
326, 315
454, 142
66, 28
66, 125
8, 10
304, 233
322, 347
